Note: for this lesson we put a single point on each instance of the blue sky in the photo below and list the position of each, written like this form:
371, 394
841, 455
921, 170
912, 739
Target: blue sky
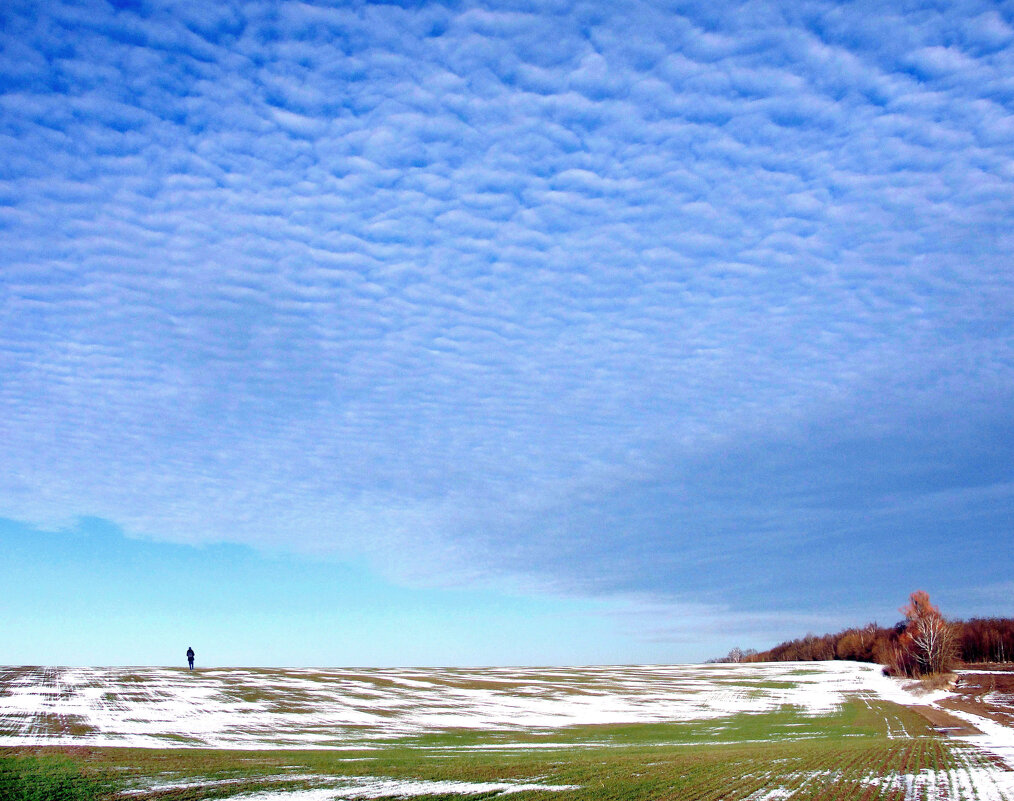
558, 332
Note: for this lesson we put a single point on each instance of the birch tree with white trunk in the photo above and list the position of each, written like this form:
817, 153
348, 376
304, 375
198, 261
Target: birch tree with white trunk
928, 637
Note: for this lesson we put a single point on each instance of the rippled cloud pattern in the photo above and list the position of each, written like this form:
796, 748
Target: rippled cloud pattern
698, 300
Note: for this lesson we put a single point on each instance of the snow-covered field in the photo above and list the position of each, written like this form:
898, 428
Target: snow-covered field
256, 708
365, 710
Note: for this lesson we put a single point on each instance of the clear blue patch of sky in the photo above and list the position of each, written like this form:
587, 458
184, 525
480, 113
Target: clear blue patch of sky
90, 595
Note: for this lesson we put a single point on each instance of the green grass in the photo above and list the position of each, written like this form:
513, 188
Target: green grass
50, 777
845, 755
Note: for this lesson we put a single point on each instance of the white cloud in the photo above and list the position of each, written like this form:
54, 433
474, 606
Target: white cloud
426, 284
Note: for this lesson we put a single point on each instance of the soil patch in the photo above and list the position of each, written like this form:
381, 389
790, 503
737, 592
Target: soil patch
945, 723
985, 690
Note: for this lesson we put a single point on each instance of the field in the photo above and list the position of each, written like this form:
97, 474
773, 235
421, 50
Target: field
757, 732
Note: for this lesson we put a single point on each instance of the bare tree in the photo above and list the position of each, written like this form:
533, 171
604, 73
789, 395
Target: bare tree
928, 638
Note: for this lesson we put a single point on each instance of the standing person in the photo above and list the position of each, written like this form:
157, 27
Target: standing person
190, 657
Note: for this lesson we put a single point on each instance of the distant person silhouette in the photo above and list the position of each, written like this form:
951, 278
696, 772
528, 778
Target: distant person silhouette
190, 657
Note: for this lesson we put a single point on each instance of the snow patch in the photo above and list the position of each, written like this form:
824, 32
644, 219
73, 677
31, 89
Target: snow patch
372, 787
243, 708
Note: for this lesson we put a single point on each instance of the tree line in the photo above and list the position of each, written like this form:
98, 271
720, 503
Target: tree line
923, 643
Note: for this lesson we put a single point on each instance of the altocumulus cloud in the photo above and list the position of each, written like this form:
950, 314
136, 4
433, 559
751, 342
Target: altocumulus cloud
681, 301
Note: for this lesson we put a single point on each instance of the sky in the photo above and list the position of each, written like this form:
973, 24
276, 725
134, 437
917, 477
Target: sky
425, 333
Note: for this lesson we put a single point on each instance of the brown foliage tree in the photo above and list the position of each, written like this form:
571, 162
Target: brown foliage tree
987, 640
928, 640
902, 649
